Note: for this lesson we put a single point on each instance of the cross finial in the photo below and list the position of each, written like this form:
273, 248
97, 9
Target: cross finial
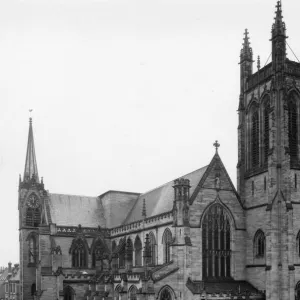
216, 145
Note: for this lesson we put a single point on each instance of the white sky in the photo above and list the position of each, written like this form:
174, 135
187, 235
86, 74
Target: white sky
127, 95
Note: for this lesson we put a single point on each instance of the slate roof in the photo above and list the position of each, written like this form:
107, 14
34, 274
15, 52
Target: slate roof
160, 199
72, 210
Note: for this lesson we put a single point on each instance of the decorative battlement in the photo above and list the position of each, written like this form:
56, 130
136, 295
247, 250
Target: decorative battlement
73, 230
138, 225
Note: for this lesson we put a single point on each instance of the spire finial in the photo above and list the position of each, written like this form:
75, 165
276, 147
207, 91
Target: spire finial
30, 171
258, 62
216, 145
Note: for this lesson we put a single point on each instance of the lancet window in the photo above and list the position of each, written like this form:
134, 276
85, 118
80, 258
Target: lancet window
79, 254
266, 129
293, 130
216, 248
97, 253
33, 214
259, 244
129, 252
32, 249
167, 240
122, 254
298, 243
255, 139
138, 251
153, 248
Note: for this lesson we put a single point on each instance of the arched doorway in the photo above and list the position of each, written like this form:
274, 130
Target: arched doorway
165, 295
216, 252
69, 293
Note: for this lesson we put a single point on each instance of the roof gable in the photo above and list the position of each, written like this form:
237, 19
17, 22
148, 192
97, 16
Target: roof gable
215, 177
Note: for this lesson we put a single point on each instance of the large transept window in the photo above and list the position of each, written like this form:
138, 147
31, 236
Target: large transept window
216, 246
167, 240
138, 251
97, 253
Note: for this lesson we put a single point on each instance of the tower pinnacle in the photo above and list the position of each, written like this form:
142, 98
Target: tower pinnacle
278, 27
246, 52
30, 170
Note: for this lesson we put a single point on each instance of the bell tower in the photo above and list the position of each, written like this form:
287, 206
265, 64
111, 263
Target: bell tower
268, 161
31, 216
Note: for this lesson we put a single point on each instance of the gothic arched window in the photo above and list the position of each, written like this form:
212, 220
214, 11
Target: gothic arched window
165, 295
138, 251
266, 128
216, 246
293, 130
129, 252
32, 249
167, 240
152, 241
79, 254
97, 253
259, 244
33, 289
69, 293
255, 139
132, 293
121, 253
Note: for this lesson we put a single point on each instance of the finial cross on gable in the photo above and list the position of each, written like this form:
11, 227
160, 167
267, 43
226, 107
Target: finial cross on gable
216, 145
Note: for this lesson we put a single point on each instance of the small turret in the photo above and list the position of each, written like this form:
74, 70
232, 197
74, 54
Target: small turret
181, 189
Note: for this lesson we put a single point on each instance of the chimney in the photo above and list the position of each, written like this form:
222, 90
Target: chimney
9, 268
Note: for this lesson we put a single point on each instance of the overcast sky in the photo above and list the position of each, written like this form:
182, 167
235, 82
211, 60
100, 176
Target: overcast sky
126, 95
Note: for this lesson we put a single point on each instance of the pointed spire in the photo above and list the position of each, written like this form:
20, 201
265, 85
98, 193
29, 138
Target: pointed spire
31, 171
278, 27
246, 52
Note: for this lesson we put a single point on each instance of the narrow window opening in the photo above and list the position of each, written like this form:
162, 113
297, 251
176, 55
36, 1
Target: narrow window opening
265, 183
295, 179
293, 131
252, 187
255, 139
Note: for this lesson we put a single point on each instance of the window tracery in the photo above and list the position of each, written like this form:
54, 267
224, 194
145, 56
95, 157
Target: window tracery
129, 252
79, 254
216, 247
97, 253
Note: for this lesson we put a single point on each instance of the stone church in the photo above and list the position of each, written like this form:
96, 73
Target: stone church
195, 237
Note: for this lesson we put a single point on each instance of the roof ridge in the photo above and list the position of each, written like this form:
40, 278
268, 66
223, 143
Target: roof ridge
172, 180
72, 195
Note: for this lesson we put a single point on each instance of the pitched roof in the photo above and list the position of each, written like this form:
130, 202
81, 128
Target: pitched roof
71, 210
160, 199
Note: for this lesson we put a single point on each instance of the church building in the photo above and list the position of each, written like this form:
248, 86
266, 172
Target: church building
194, 237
